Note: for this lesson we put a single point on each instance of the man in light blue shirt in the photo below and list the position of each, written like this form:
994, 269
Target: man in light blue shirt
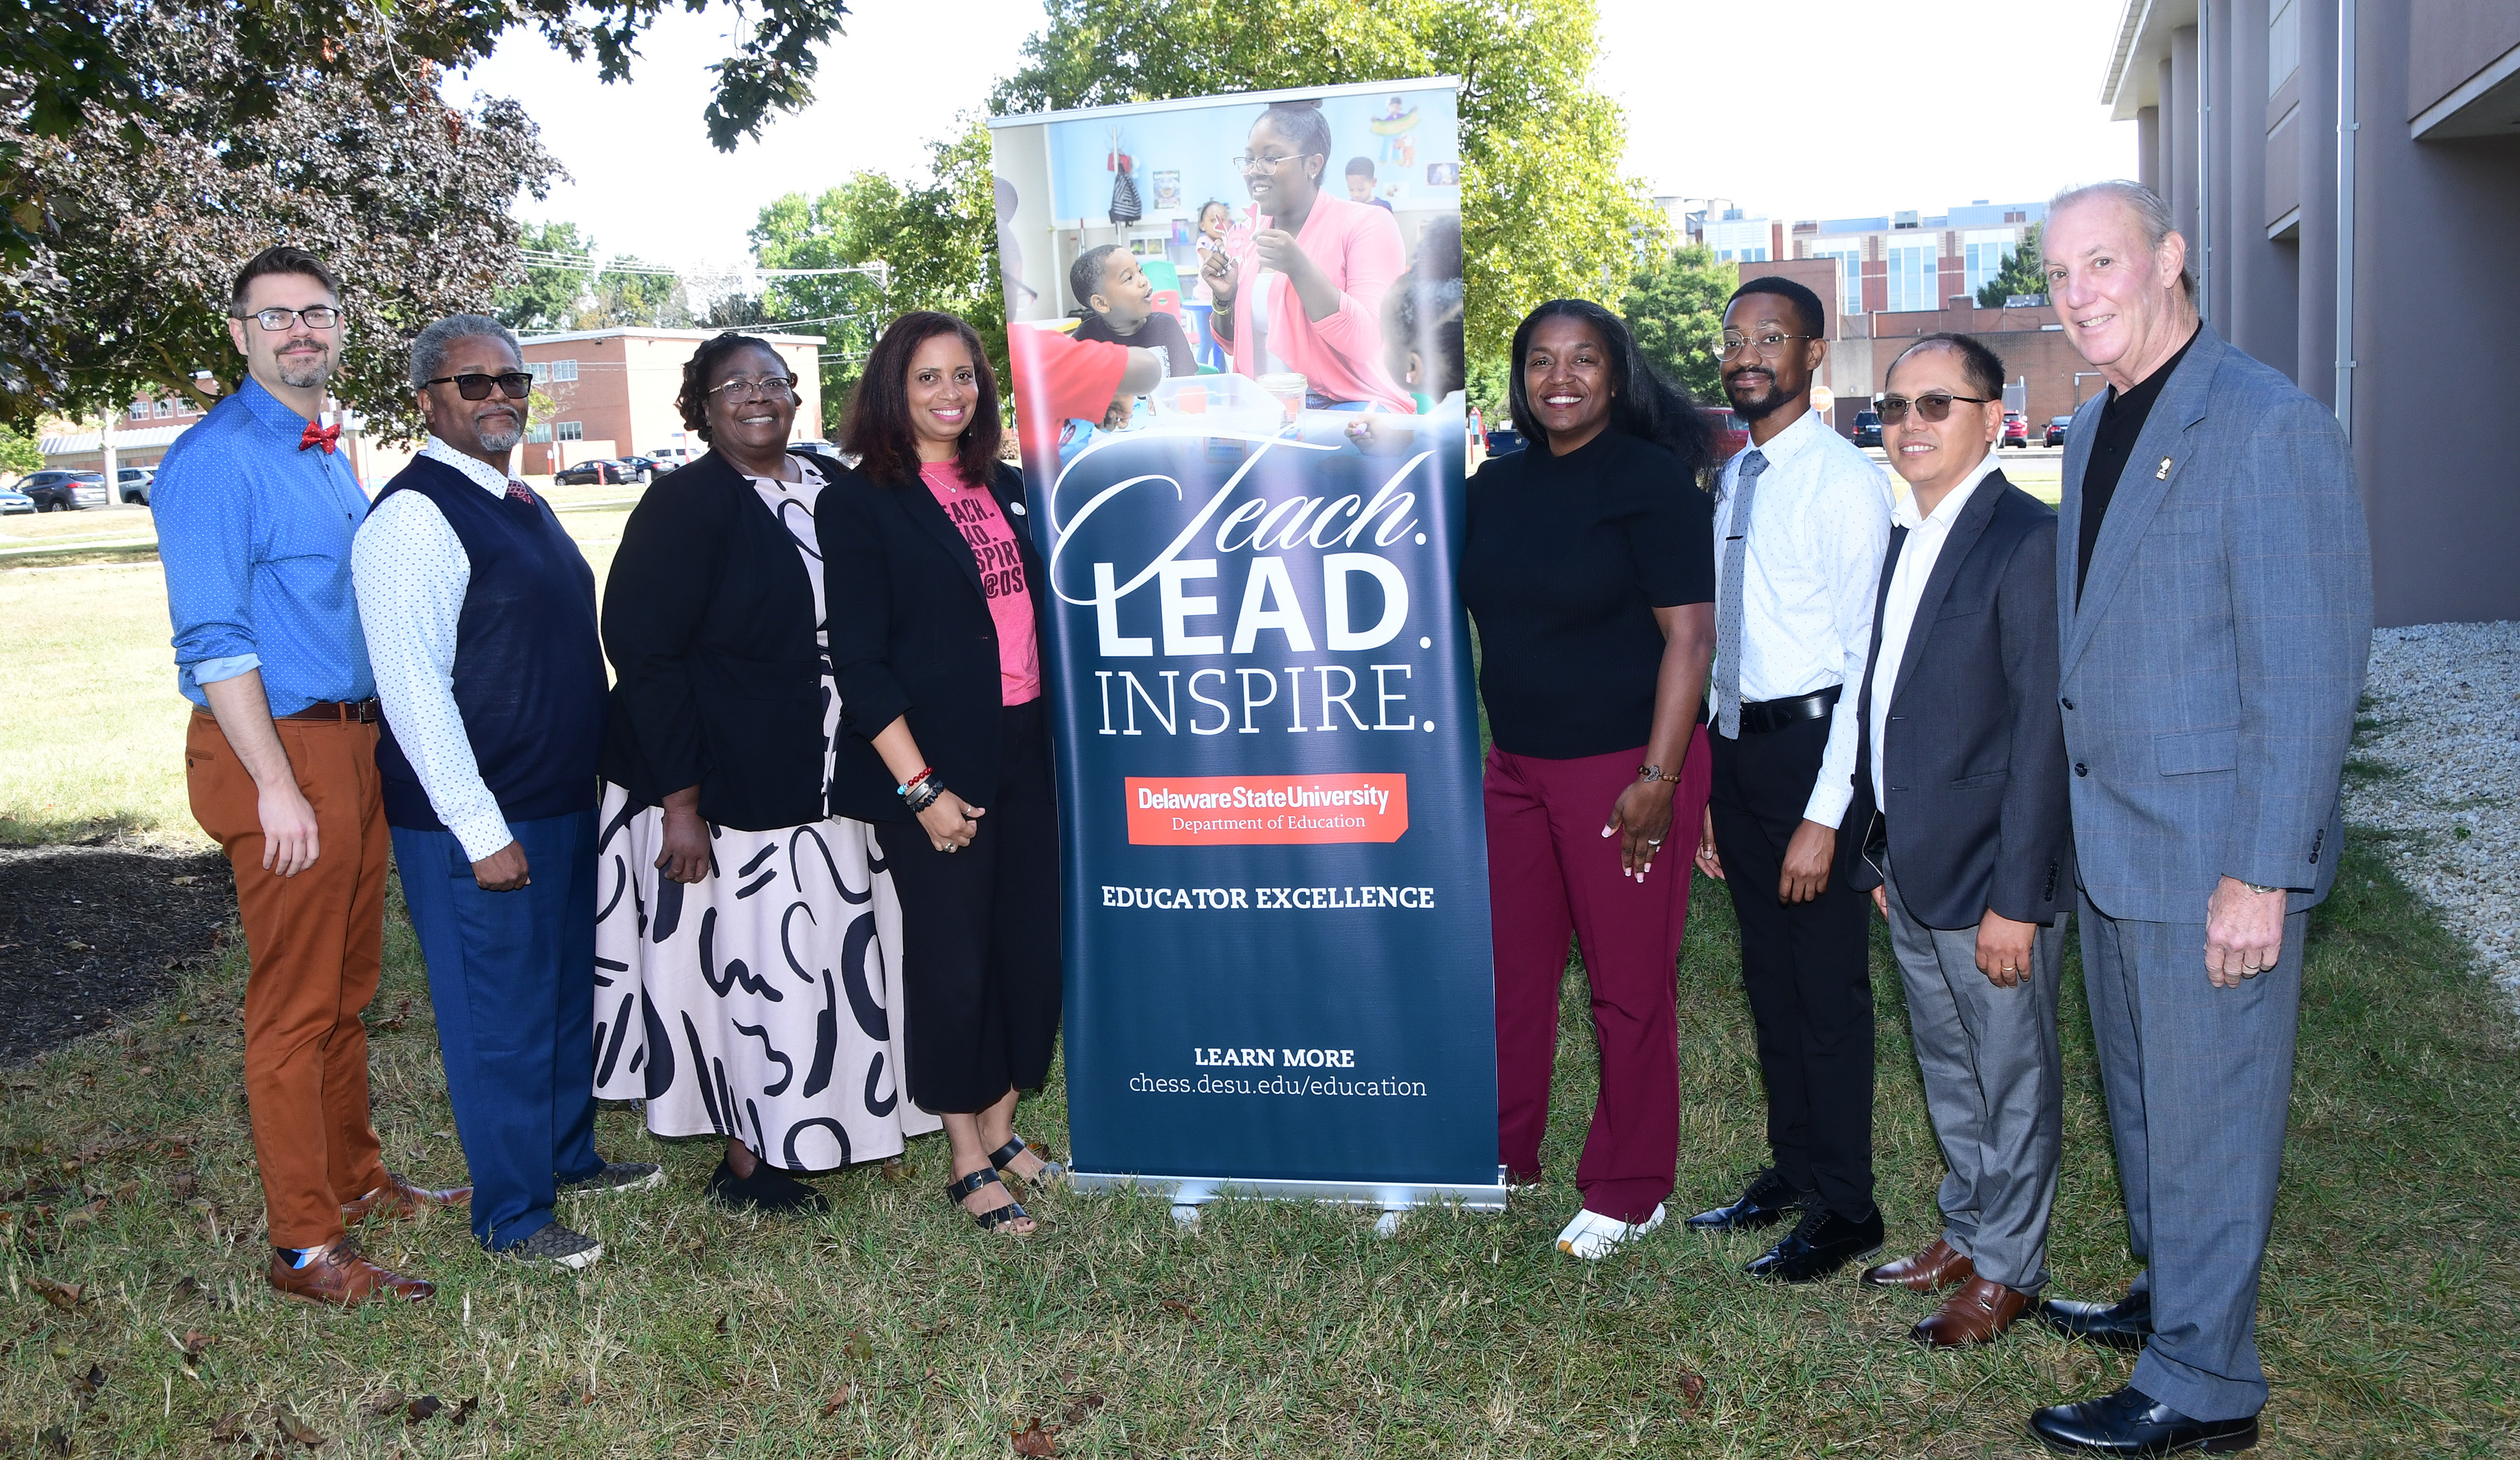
255, 512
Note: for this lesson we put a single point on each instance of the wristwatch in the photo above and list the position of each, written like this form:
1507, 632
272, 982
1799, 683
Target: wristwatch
2261, 892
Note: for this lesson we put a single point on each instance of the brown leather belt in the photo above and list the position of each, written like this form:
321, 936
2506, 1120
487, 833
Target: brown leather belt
365, 712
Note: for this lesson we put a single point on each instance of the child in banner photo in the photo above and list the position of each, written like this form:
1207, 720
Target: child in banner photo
1119, 302
1215, 235
1359, 184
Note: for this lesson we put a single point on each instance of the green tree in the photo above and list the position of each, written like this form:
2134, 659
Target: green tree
139, 224
550, 296
2022, 273
934, 240
1675, 304
625, 295
1545, 212
19, 452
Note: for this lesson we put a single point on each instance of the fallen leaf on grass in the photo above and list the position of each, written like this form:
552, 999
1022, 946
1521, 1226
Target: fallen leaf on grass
230, 1429
63, 1296
128, 1191
724, 1326
838, 1401
1081, 1406
1181, 1307
187, 1289
857, 1347
402, 1011
53, 1439
294, 1428
385, 1403
1033, 1439
89, 1383
461, 1411
1692, 1389
182, 1186
190, 1346
895, 1172
419, 1410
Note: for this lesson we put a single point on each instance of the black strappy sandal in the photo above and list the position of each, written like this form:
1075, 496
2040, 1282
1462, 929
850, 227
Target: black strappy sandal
994, 1219
1050, 1170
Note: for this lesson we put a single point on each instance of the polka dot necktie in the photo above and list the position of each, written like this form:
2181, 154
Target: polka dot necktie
1727, 613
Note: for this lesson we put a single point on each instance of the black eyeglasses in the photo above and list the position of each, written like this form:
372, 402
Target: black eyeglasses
1933, 405
273, 321
514, 385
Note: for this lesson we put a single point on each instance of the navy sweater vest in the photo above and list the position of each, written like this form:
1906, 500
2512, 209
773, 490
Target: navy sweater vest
528, 665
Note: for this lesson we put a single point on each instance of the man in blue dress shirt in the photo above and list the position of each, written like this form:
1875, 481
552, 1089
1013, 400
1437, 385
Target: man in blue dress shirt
255, 512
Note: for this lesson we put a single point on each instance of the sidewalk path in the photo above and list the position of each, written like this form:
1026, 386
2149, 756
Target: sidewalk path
2448, 789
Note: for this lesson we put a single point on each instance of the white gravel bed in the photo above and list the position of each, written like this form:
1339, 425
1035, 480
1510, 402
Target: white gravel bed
2448, 696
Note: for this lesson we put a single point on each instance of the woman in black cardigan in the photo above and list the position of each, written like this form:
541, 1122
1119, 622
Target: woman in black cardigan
743, 984
935, 639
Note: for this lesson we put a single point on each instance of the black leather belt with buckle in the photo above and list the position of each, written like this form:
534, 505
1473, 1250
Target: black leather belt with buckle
1764, 716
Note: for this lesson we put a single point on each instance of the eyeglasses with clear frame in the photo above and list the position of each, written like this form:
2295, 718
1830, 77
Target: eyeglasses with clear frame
1248, 164
739, 392
1766, 344
1933, 405
273, 321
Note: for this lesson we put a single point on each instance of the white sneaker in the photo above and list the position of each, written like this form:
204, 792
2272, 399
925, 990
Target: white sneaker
1591, 1235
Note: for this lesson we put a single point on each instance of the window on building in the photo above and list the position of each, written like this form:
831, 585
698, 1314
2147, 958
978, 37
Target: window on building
545, 371
2283, 43
1850, 263
569, 431
1912, 279
163, 410
538, 435
1983, 256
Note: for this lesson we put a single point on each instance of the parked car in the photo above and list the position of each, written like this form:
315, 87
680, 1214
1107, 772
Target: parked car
1867, 428
646, 468
673, 456
1731, 433
13, 502
2056, 429
135, 483
828, 450
1504, 440
2016, 428
65, 491
600, 471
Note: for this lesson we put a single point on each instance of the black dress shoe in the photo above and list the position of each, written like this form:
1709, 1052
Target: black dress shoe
1764, 1204
1821, 1244
2123, 1324
2131, 1422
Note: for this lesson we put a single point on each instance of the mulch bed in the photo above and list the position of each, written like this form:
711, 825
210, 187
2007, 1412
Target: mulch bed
87, 933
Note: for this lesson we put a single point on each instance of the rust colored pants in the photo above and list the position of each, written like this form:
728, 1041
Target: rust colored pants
317, 946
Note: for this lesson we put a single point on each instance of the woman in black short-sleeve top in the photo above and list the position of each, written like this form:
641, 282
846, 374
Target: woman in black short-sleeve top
1588, 569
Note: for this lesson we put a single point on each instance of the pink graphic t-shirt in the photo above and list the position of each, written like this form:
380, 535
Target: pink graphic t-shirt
973, 511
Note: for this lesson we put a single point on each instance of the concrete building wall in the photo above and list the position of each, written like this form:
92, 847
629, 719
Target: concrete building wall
622, 398
2249, 160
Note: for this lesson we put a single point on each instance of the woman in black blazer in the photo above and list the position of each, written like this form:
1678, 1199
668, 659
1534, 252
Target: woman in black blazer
935, 640
743, 983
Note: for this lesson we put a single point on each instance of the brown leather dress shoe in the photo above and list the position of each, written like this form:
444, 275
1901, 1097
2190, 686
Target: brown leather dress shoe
339, 1274
1978, 1313
1932, 1270
398, 1198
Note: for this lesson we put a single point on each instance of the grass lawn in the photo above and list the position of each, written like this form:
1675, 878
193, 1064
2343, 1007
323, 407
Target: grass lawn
892, 1327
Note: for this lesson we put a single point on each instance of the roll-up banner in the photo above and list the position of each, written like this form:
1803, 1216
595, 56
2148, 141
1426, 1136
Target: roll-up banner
1234, 324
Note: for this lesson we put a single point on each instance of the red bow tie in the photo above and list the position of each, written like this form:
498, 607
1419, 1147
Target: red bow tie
326, 436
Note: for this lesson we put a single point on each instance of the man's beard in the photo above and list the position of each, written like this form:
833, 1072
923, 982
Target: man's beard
499, 432
1758, 410
306, 375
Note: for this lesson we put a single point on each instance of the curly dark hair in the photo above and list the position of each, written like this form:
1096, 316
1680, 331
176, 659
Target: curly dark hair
1642, 402
693, 399
880, 429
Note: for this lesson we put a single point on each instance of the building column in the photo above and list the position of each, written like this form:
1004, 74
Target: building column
2187, 101
2315, 332
2147, 147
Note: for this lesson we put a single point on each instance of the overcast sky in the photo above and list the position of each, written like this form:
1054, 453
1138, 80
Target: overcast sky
1816, 110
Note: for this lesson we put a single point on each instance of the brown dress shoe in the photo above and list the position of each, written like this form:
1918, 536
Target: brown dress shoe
339, 1274
1930, 1271
398, 1198
1978, 1313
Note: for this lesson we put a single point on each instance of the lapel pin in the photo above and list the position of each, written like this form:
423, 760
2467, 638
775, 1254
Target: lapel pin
2164, 474
1018, 507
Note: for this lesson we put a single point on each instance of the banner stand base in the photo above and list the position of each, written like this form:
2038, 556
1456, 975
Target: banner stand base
1389, 1196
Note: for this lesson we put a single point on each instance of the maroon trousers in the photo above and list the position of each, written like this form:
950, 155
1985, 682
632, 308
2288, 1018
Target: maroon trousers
1550, 872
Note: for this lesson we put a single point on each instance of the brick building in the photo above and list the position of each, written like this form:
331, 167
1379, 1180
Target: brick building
612, 392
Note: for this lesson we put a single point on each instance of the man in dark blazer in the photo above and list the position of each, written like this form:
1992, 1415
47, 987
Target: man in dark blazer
2214, 600
1960, 787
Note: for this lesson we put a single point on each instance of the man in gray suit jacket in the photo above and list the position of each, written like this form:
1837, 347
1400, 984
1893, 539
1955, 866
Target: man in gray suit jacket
2214, 607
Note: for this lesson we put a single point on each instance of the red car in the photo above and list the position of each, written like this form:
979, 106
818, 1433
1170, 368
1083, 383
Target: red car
1731, 436
2016, 428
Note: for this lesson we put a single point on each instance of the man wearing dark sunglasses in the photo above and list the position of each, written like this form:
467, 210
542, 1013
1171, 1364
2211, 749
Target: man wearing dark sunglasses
480, 620
1959, 813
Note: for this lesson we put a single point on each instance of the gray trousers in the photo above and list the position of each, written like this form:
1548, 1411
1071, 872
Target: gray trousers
2199, 1082
1994, 1089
